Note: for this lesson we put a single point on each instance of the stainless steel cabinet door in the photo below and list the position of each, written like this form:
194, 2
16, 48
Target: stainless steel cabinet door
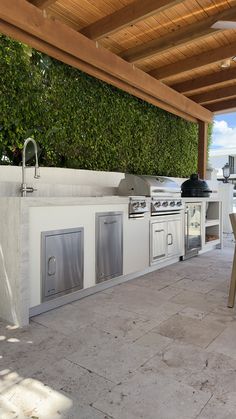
109, 245
62, 262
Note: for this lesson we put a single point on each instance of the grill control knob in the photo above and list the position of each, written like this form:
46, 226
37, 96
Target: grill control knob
143, 204
157, 205
172, 203
135, 205
165, 204
179, 203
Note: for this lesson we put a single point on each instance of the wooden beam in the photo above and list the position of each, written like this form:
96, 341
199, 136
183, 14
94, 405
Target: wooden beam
205, 81
42, 4
177, 38
126, 16
216, 94
107, 65
196, 61
223, 105
202, 148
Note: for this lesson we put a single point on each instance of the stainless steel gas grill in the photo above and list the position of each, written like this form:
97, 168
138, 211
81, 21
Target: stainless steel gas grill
138, 206
164, 192
165, 206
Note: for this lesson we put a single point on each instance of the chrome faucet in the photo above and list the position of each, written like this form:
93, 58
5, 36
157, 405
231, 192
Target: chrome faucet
24, 188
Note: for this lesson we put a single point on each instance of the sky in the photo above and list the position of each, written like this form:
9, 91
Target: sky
224, 131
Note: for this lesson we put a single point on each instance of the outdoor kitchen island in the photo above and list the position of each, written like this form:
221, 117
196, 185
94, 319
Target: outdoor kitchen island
22, 286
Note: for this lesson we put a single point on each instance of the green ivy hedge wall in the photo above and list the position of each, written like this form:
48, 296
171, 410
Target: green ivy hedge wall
81, 122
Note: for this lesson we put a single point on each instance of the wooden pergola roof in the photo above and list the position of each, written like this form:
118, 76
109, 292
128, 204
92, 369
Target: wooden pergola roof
163, 51
171, 41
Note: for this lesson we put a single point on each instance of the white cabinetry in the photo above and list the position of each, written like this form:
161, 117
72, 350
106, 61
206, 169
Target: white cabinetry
174, 237
159, 240
212, 234
166, 238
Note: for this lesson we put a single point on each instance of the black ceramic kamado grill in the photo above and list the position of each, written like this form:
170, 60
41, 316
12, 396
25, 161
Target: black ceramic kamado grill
195, 188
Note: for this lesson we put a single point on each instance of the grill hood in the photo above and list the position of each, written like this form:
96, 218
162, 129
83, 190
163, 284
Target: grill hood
142, 185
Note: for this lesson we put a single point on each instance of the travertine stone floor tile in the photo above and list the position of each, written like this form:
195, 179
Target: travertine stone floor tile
193, 313
125, 324
220, 408
97, 303
159, 279
223, 315
189, 269
197, 300
28, 350
144, 302
31, 398
152, 396
149, 304
73, 381
169, 292
117, 321
67, 319
198, 332
116, 359
193, 285
161, 346
220, 296
34, 401
203, 370
152, 293
225, 343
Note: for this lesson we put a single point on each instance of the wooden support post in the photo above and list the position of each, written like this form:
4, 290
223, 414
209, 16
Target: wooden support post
202, 148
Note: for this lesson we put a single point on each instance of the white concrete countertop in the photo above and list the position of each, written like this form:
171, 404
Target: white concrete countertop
68, 201
199, 199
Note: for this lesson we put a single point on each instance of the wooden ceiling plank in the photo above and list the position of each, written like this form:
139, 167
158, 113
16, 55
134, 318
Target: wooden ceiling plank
25, 16
166, 43
42, 4
222, 105
205, 81
196, 61
213, 95
126, 16
177, 37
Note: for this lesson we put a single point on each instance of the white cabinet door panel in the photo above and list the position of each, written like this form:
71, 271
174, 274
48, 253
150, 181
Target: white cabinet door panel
174, 237
159, 232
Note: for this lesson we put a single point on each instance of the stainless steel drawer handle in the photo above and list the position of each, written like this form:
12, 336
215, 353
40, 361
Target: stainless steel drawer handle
110, 222
171, 239
51, 266
159, 231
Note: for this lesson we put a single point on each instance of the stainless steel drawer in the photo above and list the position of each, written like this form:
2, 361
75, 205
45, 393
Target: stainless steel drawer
62, 260
109, 245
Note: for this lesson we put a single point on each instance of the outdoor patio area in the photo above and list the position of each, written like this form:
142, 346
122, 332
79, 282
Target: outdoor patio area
158, 347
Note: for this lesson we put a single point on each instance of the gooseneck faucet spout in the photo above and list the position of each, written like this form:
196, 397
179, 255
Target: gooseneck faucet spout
24, 187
